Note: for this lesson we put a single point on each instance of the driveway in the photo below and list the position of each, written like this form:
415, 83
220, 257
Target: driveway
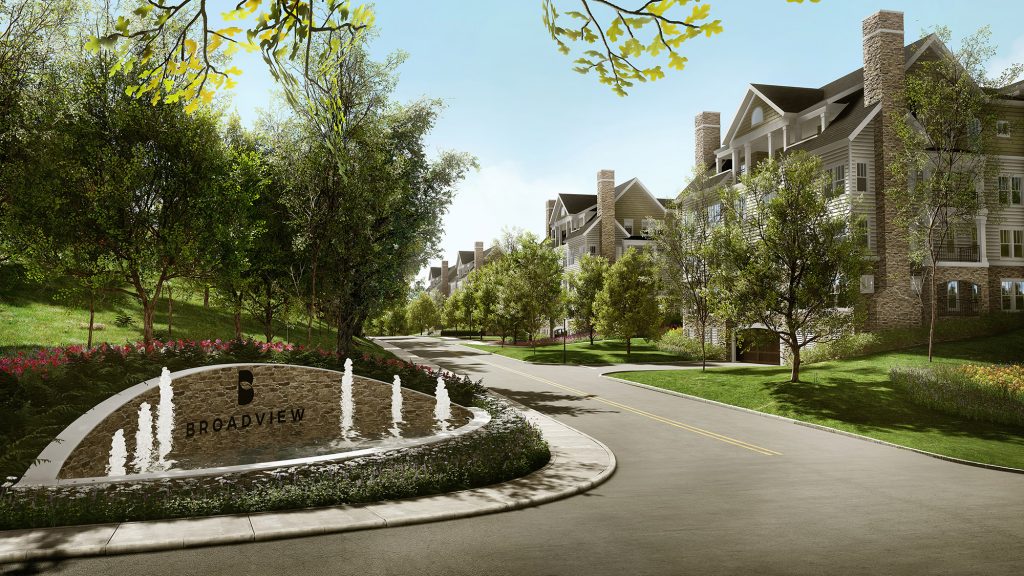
699, 489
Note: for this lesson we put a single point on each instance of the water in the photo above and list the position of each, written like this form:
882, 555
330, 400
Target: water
201, 420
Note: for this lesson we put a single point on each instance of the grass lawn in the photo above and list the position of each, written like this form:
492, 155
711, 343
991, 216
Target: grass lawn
30, 317
856, 396
601, 352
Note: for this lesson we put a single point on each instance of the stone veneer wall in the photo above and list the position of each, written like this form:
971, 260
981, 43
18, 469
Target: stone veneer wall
893, 303
708, 138
995, 277
445, 286
606, 212
211, 394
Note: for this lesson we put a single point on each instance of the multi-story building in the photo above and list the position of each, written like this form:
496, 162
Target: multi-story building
607, 223
445, 279
848, 123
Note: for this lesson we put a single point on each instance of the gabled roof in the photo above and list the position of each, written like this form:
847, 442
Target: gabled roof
576, 203
843, 125
719, 178
791, 98
582, 229
465, 256
435, 272
665, 202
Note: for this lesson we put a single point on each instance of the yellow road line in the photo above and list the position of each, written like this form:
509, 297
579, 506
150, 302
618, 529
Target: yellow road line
655, 417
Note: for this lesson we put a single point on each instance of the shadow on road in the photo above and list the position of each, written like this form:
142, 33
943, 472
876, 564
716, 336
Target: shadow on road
551, 403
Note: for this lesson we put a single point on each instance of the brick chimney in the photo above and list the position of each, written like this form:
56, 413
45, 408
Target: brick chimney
478, 255
445, 288
893, 303
707, 131
606, 212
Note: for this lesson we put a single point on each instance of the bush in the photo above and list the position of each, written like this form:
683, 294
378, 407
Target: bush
675, 341
452, 332
987, 393
507, 447
849, 346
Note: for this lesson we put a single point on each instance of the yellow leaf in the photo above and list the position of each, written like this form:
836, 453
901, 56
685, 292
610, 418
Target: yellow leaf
191, 106
190, 46
229, 32
233, 70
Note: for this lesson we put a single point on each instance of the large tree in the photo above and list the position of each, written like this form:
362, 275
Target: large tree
946, 163
422, 313
691, 258
794, 260
584, 285
627, 305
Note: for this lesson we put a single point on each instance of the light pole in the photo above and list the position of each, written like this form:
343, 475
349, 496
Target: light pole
564, 330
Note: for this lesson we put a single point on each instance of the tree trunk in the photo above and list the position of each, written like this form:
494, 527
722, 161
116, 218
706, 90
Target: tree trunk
345, 332
629, 342
934, 309
703, 348
238, 318
206, 296
794, 374
170, 311
92, 318
311, 306
148, 312
591, 334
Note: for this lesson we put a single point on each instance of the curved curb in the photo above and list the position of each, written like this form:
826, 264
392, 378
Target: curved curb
955, 460
578, 463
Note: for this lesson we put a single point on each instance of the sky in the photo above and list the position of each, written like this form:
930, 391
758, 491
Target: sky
537, 128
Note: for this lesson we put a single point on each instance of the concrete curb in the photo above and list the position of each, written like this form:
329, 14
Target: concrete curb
578, 463
609, 376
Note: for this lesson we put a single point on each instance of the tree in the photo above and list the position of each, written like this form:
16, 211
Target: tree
946, 153
668, 23
529, 275
627, 305
423, 313
584, 285
691, 259
792, 258
484, 283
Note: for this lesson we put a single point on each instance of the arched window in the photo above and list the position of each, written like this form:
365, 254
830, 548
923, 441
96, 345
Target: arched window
961, 297
757, 116
952, 297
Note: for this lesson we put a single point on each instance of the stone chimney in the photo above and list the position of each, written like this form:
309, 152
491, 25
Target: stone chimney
707, 131
893, 303
549, 207
606, 212
445, 287
478, 255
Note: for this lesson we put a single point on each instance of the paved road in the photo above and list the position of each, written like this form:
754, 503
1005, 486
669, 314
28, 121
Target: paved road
700, 489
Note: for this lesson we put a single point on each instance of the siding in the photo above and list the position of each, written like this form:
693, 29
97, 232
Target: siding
1007, 217
637, 204
862, 150
770, 114
1014, 145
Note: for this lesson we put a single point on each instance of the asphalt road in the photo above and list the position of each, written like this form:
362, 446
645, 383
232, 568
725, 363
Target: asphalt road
699, 489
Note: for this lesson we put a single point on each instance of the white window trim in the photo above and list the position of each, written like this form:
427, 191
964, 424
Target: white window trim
1000, 123
1015, 284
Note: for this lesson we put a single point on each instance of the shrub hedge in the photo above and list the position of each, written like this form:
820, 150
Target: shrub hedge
506, 448
675, 341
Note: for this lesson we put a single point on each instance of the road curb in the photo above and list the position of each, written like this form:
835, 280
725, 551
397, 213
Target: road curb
609, 376
578, 463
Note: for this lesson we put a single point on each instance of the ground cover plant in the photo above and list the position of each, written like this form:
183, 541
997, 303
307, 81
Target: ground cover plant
44, 391
857, 396
675, 341
506, 448
987, 393
605, 351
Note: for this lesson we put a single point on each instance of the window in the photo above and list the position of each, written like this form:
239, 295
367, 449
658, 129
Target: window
1012, 295
862, 177
952, 297
1002, 128
837, 181
628, 225
1004, 189
1015, 190
1004, 243
1018, 243
715, 213
593, 250
861, 231
757, 116
1011, 243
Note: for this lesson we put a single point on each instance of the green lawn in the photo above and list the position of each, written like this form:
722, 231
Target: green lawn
856, 396
31, 317
601, 352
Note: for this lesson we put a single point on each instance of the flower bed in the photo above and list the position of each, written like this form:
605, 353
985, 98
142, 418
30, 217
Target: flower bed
508, 447
988, 393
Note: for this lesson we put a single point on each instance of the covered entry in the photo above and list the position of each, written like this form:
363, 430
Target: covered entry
757, 346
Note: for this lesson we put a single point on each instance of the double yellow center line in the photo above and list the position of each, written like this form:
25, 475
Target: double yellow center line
655, 417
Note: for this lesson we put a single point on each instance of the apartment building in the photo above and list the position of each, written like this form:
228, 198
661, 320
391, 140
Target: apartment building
848, 123
608, 223
445, 279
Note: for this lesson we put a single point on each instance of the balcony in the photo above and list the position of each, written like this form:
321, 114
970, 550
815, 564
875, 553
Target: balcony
960, 253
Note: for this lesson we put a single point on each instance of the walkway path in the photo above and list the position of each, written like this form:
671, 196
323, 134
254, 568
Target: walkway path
699, 489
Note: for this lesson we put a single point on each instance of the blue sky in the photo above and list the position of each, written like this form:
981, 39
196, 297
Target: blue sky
538, 128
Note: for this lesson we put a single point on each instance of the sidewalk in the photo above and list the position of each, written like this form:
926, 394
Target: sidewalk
578, 463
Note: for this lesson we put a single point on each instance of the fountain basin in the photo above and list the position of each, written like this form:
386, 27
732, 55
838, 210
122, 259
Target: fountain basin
232, 418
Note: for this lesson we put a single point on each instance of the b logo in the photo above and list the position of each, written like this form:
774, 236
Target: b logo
246, 391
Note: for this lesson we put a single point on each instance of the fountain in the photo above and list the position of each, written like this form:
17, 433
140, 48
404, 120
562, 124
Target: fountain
396, 407
347, 405
118, 455
144, 440
443, 405
165, 420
